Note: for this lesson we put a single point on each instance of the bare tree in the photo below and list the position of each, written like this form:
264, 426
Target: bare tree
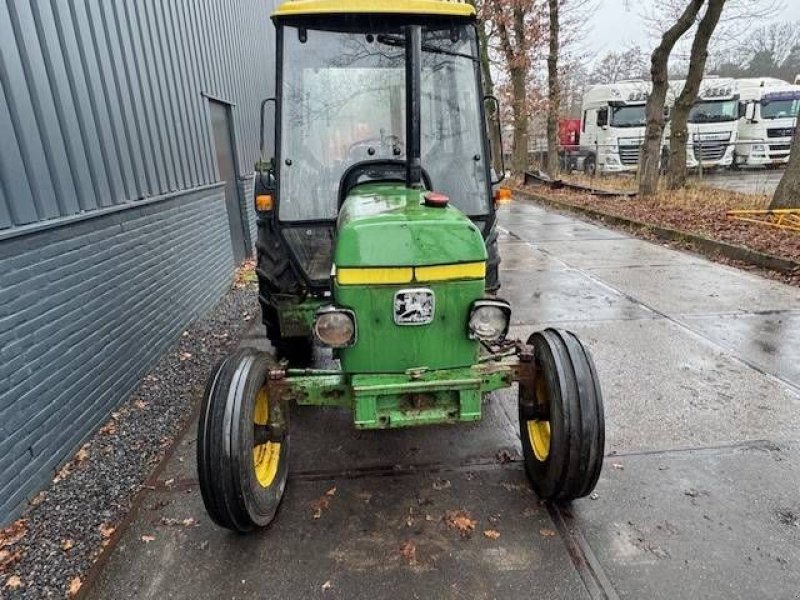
679, 135
616, 66
787, 194
650, 159
553, 91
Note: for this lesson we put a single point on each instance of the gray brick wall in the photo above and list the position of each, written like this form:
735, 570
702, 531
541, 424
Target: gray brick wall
86, 309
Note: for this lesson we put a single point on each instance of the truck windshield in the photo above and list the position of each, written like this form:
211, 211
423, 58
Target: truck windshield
344, 103
780, 109
628, 116
714, 111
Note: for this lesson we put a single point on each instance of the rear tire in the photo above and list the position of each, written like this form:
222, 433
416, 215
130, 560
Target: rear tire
561, 418
590, 165
278, 281
242, 480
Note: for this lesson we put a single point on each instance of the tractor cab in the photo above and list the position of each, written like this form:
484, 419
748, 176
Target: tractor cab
377, 239
373, 99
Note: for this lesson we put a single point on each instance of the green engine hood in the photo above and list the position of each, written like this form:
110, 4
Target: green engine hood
386, 225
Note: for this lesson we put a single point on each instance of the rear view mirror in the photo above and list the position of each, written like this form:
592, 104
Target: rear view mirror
602, 117
262, 128
492, 107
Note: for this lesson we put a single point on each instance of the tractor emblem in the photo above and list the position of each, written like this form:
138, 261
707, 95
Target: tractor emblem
413, 307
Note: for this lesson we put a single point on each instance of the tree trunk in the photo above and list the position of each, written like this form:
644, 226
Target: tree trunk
787, 195
493, 118
519, 150
650, 157
553, 92
679, 135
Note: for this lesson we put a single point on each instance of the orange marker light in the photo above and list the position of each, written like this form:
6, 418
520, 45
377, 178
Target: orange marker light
263, 202
502, 195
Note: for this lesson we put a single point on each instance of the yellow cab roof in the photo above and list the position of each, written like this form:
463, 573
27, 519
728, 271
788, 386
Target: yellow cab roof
441, 8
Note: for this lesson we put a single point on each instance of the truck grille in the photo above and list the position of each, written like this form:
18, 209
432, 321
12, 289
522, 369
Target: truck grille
780, 132
629, 155
710, 150
779, 148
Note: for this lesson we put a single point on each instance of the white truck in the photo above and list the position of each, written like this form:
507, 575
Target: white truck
612, 126
713, 123
767, 120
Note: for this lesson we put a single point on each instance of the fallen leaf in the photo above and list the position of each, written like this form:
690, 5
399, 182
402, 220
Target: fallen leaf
441, 484
594, 496
503, 457
108, 429
106, 530
74, 586
67, 545
460, 520
82, 454
492, 534
409, 552
8, 558
618, 466
322, 503
331, 492
63, 473
326, 585
140, 404
13, 533
545, 532
185, 356
13, 582
147, 538
169, 482
190, 522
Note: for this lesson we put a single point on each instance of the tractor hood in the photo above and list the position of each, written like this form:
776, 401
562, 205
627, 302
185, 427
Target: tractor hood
388, 224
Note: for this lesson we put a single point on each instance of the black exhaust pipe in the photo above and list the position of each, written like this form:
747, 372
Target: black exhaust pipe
413, 110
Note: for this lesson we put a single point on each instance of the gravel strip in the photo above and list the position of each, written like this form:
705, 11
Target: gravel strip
67, 526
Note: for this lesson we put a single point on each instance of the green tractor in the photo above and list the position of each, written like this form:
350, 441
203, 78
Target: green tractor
377, 238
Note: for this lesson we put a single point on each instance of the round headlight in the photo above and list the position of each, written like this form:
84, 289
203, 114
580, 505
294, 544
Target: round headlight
335, 328
489, 321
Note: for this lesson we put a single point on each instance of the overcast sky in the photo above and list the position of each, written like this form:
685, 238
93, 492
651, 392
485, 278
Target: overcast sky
618, 24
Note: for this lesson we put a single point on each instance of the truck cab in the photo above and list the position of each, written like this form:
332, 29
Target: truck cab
613, 125
713, 123
767, 119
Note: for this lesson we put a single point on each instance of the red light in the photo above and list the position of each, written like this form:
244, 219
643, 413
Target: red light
436, 199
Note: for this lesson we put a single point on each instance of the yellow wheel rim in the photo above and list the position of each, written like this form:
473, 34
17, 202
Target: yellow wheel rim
266, 457
539, 437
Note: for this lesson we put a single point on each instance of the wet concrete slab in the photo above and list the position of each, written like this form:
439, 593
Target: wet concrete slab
769, 341
375, 537
532, 229
751, 181
628, 252
666, 388
564, 296
700, 289
519, 256
712, 524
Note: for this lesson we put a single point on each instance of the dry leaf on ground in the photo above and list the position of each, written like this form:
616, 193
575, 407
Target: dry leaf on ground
461, 521
326, 585
13, 533
492, 534
13, 582
545, 532
74, 586
8, 558
147, 538
441, 484
409, 552
83, 453
67, 545
331, 492
107, 530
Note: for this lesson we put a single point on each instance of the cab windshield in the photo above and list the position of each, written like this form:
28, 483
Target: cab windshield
780, 109
628, 116
344, 103
714, 111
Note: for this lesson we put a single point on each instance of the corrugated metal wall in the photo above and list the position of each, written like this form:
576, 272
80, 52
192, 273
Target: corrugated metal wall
103, 101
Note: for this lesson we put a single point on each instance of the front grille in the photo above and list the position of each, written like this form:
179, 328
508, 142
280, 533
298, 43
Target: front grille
629, 155
780, 148
780, 132
711, 150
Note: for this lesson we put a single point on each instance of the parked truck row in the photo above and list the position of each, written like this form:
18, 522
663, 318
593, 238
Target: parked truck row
733, 123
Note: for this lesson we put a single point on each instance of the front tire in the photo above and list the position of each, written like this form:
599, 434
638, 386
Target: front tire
242, 443
562, 425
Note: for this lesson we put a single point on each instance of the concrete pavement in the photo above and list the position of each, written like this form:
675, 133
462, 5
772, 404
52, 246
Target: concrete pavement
750, 181
699, 497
